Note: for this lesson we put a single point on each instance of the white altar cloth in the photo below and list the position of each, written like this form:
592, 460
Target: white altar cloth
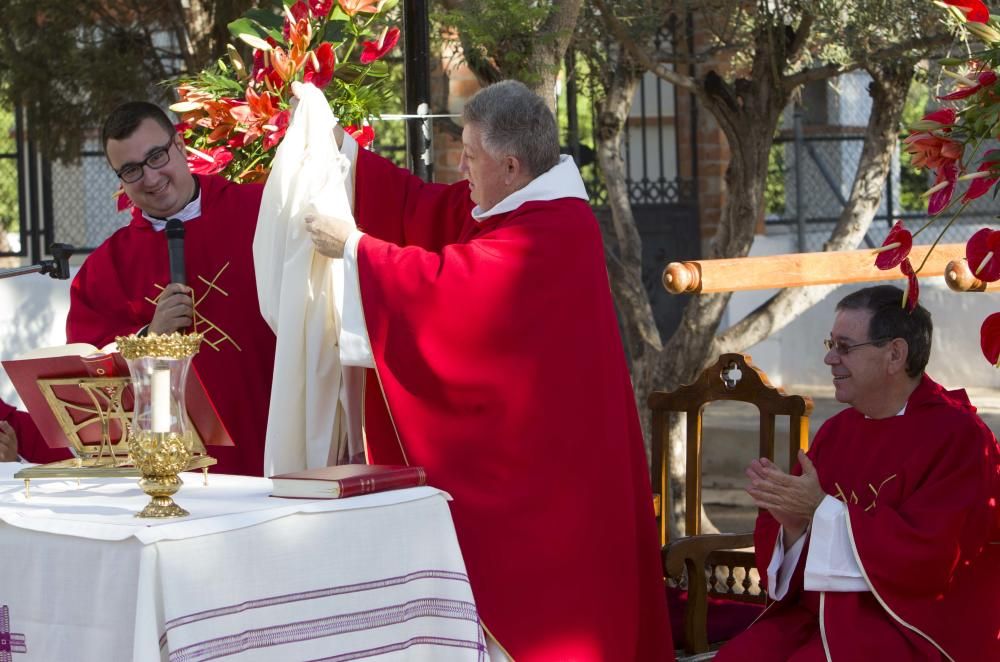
245, 577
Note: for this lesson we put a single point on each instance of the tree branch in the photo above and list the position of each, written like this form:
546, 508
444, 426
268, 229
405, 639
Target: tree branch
656, 68
823, 72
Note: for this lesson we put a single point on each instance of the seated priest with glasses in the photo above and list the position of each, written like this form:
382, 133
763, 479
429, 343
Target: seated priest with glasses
125, 285
883, 543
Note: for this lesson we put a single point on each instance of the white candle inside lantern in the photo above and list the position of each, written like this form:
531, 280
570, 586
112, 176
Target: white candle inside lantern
160, 399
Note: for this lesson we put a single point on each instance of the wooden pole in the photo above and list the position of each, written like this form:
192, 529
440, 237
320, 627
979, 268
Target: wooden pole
798, 270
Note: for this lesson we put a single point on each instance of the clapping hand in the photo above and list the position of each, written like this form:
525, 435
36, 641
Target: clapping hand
791, 500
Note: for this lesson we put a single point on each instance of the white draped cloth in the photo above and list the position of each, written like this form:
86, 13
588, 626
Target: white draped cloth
298, 290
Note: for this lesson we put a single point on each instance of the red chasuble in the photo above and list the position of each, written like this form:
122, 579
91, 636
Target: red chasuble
30, 444
115, 292
502, 373
921, 492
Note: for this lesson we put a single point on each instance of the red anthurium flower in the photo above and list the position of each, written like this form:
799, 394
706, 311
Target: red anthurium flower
320, 8
352, 7
373, 50
208, 162
275, 129
122, 201
364, 135
895, 248
975, 11
982, 252
985, 79
943, 189
912, 292
326, 58
985, 177
989, 338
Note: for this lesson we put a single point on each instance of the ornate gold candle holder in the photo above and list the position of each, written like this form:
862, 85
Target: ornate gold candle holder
159, 442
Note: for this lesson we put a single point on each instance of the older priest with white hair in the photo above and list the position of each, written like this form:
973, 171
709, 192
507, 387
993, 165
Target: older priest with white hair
484, 314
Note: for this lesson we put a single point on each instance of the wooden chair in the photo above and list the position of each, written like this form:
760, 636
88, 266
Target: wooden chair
698, 561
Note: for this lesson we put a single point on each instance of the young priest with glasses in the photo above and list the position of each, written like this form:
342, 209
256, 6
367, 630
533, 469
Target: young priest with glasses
125, 285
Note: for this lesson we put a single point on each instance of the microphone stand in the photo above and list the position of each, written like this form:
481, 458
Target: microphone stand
57, 267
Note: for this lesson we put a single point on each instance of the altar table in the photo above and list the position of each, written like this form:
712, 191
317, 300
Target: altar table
245, 577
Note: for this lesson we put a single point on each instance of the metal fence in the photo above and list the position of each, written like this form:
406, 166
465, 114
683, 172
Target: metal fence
810, 180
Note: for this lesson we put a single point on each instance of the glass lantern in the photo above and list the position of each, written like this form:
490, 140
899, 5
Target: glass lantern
159, 441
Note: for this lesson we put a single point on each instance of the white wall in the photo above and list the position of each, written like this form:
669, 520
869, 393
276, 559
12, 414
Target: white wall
794, 356
32, 315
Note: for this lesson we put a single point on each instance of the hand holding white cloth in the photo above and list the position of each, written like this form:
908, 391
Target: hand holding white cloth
298, 291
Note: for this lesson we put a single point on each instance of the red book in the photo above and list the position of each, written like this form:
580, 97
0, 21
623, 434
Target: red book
346, 480
65, 413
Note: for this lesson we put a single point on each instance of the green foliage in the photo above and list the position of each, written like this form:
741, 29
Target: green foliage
913, 181
9, 210
70, 63
501, 37
774, 189
237, 113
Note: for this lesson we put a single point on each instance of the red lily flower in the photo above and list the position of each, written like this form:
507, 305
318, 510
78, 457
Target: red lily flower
299, 12
895, 248
275, 128
262, 68
990, 166
930, 150
982, 252
208, 162
327, 59
373, 50
912, 291
989, 338
364, 135
943, 189
352, 7
320, 8
975, 11
985, 79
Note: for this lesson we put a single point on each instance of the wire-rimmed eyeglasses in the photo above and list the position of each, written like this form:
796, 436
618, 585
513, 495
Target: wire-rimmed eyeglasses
130, 173
843, 349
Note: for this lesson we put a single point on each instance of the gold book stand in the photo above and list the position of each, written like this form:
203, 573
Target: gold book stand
102, 406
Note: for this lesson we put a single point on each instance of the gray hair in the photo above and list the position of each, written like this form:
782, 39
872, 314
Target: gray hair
515, 122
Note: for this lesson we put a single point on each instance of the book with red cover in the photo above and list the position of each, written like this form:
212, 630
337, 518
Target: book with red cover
346, 480
81, 425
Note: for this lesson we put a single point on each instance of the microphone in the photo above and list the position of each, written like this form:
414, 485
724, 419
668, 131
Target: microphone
175, 250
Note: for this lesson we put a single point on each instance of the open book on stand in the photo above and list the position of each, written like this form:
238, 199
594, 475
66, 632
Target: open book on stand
81, 397
346, 480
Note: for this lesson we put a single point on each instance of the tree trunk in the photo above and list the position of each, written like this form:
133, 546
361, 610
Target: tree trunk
889, 87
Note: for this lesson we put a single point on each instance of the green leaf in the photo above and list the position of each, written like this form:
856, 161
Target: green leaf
335, 32
265, 18
388, 7
243, 26
379, 69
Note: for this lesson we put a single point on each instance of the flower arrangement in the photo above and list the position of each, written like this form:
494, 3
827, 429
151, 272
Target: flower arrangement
949, 143
232, 115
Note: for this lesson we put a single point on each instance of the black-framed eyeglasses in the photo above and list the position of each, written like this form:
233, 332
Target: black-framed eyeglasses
158, 157
843, 349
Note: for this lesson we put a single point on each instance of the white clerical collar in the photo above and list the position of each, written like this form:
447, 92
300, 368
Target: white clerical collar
191, 210
561, 181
